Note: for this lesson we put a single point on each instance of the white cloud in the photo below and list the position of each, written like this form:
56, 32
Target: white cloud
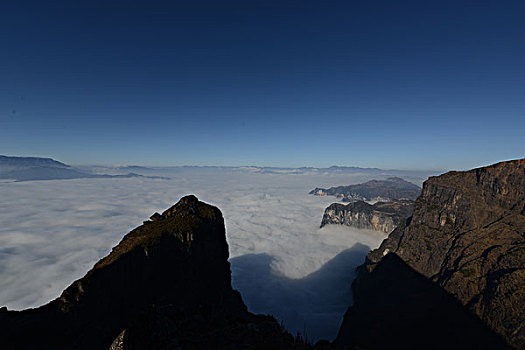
52, 233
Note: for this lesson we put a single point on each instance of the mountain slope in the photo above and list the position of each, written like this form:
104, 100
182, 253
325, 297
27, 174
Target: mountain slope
391, 188
467, 235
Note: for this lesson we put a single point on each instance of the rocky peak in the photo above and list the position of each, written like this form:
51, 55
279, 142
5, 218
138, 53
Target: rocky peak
189, 205
174, 267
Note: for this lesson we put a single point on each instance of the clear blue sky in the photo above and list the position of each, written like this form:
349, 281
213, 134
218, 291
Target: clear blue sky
392, 84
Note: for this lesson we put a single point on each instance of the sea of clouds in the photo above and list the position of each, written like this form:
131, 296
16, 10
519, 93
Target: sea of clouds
52, 232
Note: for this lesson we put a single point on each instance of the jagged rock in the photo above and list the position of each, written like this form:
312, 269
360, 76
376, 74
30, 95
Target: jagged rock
381, 216
156, 217
384, 190
166, 283
467, 235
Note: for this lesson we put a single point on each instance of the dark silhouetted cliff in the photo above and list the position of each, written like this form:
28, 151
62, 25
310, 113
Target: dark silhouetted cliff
467, 236
165, 285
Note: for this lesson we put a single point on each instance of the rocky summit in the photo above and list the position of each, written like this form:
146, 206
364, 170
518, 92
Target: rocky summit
385, 190
166, 285
467, 236
381, 216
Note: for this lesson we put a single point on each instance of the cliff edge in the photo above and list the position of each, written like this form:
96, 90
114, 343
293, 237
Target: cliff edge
467, 235
381, 216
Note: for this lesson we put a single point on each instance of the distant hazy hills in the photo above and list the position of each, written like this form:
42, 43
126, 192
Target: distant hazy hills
34, 168
17, 162
391, 188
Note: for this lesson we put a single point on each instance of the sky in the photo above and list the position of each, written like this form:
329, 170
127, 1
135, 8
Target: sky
388, 84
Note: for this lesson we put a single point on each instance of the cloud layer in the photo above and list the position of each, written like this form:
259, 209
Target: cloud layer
52, 232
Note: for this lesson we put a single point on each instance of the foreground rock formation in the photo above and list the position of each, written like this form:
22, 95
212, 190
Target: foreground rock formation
381, 216
384, 190
166, 285
467, 236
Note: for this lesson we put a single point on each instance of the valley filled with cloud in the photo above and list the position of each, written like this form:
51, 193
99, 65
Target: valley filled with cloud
52, 232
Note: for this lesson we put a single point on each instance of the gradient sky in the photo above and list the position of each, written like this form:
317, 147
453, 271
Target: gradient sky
391, 84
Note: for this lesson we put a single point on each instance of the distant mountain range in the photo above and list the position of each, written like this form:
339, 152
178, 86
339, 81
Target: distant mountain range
34, 168
389, 189
412, 174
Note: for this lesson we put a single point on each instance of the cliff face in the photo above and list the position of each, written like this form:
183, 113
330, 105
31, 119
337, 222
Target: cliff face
467, 235
389, 189
168, 280
382, 216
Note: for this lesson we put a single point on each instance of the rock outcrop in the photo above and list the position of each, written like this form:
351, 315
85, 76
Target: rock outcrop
467, 235
166, 285
385, 190
381, 216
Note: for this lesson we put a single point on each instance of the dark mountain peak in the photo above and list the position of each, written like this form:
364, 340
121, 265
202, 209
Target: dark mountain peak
186, 221
166, 285
190, 205
174, 268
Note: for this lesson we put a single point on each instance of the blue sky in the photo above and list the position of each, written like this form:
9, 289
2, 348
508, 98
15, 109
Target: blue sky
391, 84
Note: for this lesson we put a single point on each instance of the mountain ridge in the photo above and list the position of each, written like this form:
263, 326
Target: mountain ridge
35, 168
467, 235
393, 188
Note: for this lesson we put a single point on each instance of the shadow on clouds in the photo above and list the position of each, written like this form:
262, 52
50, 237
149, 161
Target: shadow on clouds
313, 305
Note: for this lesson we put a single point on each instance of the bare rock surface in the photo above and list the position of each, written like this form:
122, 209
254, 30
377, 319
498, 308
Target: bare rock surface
381, 216
467, 235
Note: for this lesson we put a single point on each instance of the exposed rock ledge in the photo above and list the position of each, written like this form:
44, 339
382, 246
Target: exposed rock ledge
382, 216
